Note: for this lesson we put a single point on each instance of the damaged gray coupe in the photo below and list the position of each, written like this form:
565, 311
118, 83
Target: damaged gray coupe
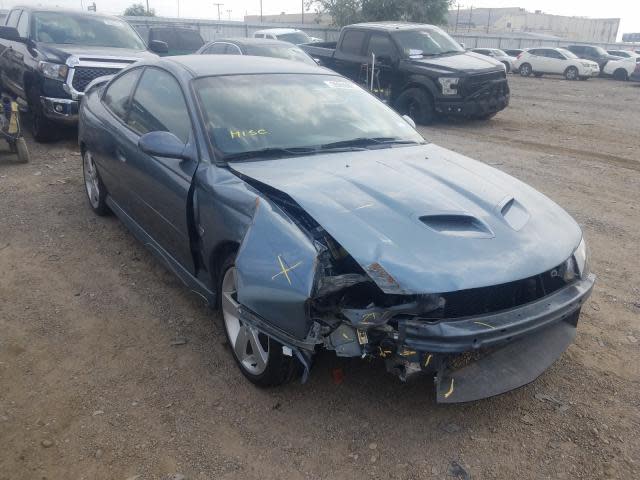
316, 217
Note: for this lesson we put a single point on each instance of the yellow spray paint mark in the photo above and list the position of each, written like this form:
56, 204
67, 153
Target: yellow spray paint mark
284, 270
407, 353
370, 315
485, 325
448, 394
427, 361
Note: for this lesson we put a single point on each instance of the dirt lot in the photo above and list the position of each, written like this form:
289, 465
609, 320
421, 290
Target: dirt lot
110, 369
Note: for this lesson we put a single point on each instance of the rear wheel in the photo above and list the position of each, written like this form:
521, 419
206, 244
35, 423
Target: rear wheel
526, 70
259, 357
418, 104
571, 73
621, 74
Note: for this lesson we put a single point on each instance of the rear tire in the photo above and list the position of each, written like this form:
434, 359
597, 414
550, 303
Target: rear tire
418, 104
258, 356
571, 73
621, 75
526, 70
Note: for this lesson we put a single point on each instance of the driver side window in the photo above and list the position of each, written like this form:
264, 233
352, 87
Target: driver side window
116, 98
158, 105
23, 24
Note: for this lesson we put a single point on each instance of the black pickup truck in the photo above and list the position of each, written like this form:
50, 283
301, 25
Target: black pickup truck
418, 69
49, 56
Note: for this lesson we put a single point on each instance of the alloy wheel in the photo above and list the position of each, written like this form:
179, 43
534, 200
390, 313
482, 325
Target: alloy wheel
251, 347
91, 179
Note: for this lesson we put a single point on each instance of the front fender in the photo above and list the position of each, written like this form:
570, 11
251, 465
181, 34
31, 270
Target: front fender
276, 267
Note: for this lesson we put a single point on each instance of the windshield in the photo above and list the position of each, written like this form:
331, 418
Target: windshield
288, 52
69, 29
431, 41
567, 53
253, 113
296, 37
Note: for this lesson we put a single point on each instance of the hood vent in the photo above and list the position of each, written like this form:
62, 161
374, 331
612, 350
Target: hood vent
514, 213
457, 225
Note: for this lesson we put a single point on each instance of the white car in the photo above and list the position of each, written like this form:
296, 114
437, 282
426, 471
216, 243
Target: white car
625, 54
621, 69
540, 61
291, 35
499, 55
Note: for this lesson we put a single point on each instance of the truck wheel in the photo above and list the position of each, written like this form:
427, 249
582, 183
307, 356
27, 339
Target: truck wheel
621, 74
259, 356
526, 70
418, 104
571, 73
22, 150
42, 128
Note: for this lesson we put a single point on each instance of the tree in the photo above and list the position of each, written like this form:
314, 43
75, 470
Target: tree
345, 12
139, 10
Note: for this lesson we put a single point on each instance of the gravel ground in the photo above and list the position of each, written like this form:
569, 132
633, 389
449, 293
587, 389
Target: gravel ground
111, 369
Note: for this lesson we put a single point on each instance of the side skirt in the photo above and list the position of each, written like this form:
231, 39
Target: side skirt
191, 282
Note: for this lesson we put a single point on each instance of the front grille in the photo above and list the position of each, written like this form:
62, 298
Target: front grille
84, 75
473, 84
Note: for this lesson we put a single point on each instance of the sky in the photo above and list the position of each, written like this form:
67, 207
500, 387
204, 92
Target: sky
627, 10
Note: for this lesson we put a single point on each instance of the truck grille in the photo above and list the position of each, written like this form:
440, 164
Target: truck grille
84, 75
496, 81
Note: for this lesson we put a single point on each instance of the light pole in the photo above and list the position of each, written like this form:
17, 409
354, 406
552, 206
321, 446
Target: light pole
217, 5
260, 11
302, 2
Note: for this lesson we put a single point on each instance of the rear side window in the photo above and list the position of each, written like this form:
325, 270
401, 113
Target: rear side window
117, 95
535, 51
352, 42
12, 19
158, 105
381, 45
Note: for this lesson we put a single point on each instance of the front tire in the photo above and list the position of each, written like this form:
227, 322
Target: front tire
621, 75
42, 128
571, 73
418, 104
96, 191
258, 356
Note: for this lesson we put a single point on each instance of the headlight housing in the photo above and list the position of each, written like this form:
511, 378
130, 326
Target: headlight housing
449, 85
581, 256
55, 71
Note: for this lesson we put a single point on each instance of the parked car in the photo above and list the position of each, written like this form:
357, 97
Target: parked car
316, 217
291, 35
513, 52
419, 69
593, 53
621, 69
49, 57
624, 54
540, 61
501, 56
635, 76
180, 40
258, 47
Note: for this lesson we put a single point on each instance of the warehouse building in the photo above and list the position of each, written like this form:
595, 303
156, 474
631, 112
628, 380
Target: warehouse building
519, 20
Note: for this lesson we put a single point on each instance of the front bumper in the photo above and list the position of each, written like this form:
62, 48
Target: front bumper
61, 110
490, 99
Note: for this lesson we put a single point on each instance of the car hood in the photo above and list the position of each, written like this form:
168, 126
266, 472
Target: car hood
424, 219
60, 53
463, 61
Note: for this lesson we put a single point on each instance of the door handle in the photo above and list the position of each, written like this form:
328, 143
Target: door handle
120, 156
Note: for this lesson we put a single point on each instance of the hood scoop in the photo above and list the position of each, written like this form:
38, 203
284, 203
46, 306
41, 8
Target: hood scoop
514, 213
457, 225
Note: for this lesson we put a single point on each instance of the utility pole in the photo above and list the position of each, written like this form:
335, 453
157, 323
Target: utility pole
178, 8
217, 5
147, 6
470, 17
302, 2
457, 17
488, 20
229, 13
260, 11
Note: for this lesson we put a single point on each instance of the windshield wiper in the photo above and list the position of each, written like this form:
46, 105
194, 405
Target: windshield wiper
366, 141
271, 152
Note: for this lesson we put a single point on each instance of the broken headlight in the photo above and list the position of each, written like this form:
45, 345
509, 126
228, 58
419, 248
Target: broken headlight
582, 260
53, 70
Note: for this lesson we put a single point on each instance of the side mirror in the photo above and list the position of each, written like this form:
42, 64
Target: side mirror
319, 61
11, 34
158, 46
163, 144
463, 45
409, 120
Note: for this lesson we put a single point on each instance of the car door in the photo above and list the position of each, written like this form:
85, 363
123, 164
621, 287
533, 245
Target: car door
12, 56
159, 187
556, 63
537, 60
